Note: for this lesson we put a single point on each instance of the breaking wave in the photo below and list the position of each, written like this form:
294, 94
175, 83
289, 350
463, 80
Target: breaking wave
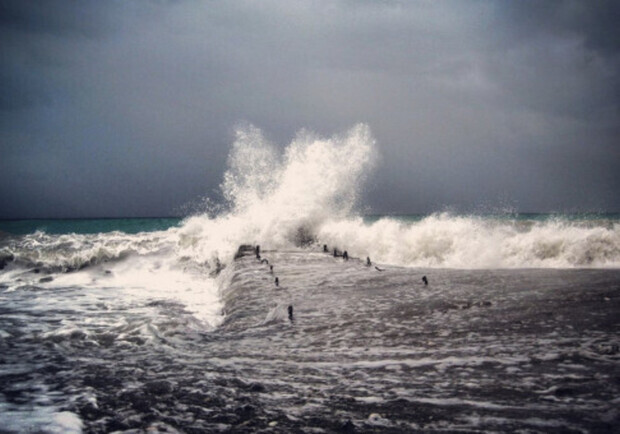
104, 324
309, 193
451, 241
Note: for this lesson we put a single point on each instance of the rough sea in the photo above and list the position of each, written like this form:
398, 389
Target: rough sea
488, 322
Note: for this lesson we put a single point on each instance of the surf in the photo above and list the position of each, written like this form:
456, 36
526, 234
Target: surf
446, 240
276, 198
136, 320
309, 193
301, 196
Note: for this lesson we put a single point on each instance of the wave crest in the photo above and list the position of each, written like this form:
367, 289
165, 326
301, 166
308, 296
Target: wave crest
449, 241
282, 198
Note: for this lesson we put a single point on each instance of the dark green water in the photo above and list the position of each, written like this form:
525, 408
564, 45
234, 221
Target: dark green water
136, 225
88, 226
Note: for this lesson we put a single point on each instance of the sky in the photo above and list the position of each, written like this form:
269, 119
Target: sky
128, 108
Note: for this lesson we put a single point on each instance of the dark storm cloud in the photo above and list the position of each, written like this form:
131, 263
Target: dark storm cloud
127, 108
567, 49
60, 17
29, 34
594, 22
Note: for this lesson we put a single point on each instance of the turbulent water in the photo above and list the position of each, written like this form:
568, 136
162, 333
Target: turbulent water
167, 325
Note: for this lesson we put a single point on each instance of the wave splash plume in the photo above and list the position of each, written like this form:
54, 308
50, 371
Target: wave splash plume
164, 331
310, 194
445, 240
275, 198
283, 199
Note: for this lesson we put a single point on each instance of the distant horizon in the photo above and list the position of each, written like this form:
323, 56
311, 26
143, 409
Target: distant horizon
373, 214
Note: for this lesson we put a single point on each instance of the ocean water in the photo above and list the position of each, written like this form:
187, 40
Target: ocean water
87, 226
177, 325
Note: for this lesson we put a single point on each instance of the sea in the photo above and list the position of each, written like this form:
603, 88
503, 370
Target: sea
292, 311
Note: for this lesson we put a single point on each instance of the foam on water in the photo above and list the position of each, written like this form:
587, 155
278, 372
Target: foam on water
141, 266
282, 200
309, 193
107, 331
306, 194
276, 198
448, 241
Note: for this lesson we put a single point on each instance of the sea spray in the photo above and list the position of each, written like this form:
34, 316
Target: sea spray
310, 192
279, 199
116, 332
70, 252
282, 199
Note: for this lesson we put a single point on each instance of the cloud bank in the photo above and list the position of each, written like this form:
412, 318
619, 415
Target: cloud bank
129, 108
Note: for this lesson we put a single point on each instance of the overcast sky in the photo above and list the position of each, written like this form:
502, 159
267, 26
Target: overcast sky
127, 108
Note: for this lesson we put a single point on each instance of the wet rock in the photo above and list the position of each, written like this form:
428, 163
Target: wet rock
46, 279
159, 387
346, 427
105, 339
245, 412
5, 259
102, 381
244, 250
257, 387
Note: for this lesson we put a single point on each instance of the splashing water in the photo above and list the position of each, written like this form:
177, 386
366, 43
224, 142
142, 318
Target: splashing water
310, 193
468, 242
306, 194
284, 200
111, 331
276, 199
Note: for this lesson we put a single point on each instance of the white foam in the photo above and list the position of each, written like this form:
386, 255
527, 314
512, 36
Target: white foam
39, 418
310, 191
449, 241
153, 277
66, 422
276, 198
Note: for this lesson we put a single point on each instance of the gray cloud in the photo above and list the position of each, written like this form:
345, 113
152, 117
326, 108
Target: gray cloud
127, 108
595, 23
